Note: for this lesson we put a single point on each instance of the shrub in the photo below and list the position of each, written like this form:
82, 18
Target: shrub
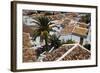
70, 41
87, 46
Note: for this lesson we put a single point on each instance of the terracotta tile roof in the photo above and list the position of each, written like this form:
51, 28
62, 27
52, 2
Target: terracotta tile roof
67, 30
27, 29
26, 41
78, 53
68, 52
79, 31
81, 24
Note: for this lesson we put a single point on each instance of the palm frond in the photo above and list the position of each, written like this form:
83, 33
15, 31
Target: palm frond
36, 33
36, 22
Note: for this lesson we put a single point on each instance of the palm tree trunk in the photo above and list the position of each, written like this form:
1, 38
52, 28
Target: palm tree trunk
46, 40
41, 39
46, 43
81, 40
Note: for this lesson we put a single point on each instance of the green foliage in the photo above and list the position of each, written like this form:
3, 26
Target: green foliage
42, 29
69, 41
86, 18
42, 26
54, 40
87, 46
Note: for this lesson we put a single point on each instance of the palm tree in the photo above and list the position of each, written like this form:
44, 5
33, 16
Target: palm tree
54, 40
42, 29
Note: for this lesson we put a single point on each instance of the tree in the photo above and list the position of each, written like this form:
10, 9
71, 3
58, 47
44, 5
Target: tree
87, 46
81, 40
86, 19
54, 40
42, 29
